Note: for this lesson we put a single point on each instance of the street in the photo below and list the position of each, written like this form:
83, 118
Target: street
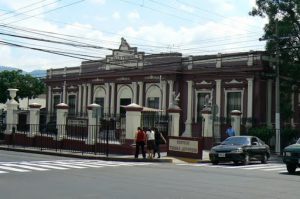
33, 176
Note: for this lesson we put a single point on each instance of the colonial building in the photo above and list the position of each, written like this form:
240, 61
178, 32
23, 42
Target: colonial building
226, 82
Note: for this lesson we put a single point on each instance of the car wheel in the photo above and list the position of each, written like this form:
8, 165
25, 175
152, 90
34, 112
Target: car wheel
235, 162
214, 162
291, 168
264, 159
246, 159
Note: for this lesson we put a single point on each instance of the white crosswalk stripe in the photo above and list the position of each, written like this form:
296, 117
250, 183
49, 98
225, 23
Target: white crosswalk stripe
275, 167
29, 166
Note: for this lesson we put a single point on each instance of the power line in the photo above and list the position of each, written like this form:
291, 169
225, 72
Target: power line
17, 14
14, 11
67, 5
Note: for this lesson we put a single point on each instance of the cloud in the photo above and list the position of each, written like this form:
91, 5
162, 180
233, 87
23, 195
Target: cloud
116, 15
223, 5
100, 2
211, 37
133, 15
187, 8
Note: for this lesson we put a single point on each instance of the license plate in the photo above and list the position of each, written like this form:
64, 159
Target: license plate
221, 155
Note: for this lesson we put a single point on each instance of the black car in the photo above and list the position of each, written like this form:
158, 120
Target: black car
240, 149
291, 156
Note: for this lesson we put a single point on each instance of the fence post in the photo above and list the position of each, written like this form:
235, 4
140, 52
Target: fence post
207, 124
175, 119
62, 112
34, 119
236, 121
12, 107
133, 119
93, 117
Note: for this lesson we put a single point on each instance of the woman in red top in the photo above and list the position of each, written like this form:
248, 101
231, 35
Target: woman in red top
140, 138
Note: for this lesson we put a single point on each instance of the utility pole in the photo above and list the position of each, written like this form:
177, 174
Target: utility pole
277, 91
277, 97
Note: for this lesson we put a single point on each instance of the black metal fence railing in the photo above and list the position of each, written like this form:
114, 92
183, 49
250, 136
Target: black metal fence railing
104, 138
159, 121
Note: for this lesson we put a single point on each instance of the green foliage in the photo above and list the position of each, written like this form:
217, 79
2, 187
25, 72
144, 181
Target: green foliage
290, 136
282, 33
28, 86
264, 133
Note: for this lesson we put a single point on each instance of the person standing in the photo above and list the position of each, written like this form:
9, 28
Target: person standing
230, 131
140, 138
159, 139
150, 143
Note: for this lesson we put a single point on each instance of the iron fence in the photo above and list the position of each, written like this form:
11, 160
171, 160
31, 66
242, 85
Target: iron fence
103, 138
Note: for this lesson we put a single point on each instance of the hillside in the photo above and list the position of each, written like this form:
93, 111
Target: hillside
34, 73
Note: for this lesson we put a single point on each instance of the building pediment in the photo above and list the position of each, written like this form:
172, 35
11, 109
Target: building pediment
125, 57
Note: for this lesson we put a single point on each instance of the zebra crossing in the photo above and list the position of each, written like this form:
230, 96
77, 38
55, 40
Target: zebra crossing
40, 166
271, 167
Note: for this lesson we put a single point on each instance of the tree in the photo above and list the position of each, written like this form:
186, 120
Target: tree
282, 33
28, 86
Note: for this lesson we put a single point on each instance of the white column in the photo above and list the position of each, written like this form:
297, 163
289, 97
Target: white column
112, 98
141, 94
188, 122
207, 124
93, 127
174, 113
34, 119
269, 103
64, 92
106, 99
89, 96
84, 98
79, 99
250, 99
217, 131
134, 87
164, 93
236, 121
133, 120
49, 99
171, 84
62, 112
11, 115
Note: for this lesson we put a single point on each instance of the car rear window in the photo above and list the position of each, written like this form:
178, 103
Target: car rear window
236, 141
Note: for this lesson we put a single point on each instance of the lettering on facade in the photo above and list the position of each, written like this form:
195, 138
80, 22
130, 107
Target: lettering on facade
124, 57
188, 146
77, 122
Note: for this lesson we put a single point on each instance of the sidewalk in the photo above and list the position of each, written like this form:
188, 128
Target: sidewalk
125, 158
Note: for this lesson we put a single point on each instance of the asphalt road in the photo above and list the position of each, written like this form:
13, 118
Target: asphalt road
34, 176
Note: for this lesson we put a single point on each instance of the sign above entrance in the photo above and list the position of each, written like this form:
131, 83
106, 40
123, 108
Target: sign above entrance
125, 57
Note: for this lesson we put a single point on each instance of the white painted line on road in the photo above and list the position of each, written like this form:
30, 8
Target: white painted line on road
3, 172
274, 169
68, 165
13, 169
46, 166
261, 167
26, 167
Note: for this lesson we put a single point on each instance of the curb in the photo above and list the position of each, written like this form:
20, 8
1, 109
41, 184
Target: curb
72, 155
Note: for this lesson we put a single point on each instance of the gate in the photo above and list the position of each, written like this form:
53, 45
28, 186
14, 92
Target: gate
159, 121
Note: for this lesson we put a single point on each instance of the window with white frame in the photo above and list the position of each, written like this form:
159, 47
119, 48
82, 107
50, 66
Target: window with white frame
56, 100
201, 102
100, 101
234, 102
72, 104
153, 102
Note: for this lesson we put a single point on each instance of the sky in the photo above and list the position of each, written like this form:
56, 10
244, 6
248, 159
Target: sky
190, 27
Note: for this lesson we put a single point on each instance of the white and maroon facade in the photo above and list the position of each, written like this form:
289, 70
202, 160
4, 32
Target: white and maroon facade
230, 81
